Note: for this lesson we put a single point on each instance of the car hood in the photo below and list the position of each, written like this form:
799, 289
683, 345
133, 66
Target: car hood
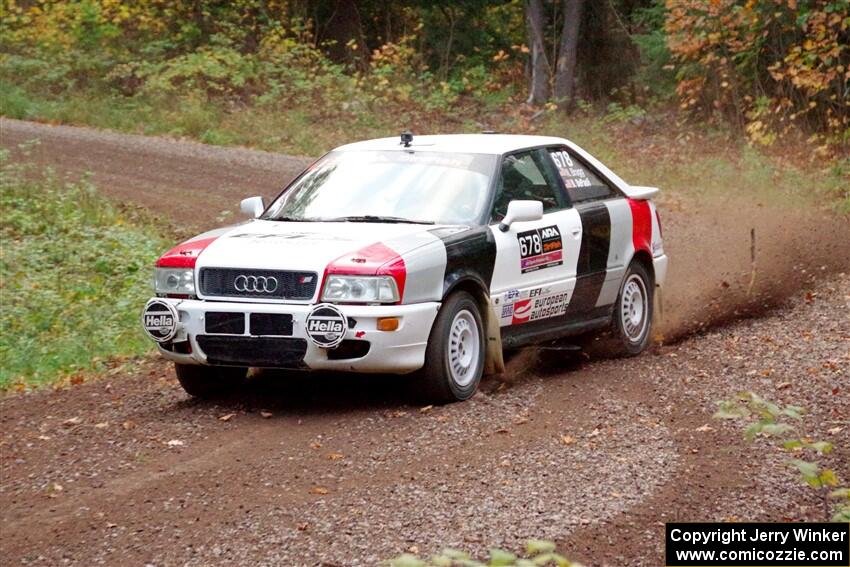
308, 246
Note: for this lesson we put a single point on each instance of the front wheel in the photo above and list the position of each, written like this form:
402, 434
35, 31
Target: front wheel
209, 382
454, 359
633, 311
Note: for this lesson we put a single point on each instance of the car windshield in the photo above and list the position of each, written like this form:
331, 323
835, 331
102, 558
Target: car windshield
389, 186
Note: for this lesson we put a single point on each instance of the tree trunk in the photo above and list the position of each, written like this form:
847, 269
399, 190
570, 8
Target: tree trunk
344, 27
540, 70
449, 14
565, 67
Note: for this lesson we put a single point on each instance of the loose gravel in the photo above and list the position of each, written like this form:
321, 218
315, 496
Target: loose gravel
341, 470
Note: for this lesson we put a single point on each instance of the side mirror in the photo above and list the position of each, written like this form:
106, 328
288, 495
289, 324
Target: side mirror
521, 211
252, 206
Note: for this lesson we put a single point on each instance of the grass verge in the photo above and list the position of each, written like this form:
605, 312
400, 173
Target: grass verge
74, 272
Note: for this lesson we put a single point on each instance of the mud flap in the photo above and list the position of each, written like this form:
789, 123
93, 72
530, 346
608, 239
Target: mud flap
494, 361
658, 312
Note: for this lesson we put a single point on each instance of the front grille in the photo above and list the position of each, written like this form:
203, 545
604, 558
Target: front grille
263, 352
222, 282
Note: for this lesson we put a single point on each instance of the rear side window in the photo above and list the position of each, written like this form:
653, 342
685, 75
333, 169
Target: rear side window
581, 183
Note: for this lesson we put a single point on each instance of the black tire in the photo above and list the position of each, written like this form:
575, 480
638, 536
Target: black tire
631, 334
437, 383
209, 382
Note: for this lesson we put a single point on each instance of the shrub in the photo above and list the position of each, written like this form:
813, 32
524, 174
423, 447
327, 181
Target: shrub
769, 65
74, 273
768, 419
538, 553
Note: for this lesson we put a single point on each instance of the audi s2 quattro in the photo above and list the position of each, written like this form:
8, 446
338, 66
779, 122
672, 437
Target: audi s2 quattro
426, 255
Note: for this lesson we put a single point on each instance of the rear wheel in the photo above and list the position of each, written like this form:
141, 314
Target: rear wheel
209, 382
632, 320
454, 359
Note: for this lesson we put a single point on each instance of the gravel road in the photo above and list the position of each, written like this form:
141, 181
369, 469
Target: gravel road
341, 470
187, 182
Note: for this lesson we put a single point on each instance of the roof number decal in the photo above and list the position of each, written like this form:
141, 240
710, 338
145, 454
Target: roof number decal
573, 176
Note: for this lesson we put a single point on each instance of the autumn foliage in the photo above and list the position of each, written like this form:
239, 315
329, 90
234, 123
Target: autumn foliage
768, 65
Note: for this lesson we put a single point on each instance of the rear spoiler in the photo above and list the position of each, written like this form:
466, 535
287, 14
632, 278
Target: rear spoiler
640, 193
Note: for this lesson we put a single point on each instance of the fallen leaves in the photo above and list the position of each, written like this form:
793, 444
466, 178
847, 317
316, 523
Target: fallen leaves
175, 443
101, 425
704, 428
53, 489
266, 414
129, 424
319, 490
70, 422
335, 456
567, 439
227, 417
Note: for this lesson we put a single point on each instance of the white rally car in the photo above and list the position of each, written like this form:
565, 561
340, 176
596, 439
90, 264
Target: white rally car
426, 255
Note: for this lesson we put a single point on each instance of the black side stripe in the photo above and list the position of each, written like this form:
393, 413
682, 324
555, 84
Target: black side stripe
470, 254
592, 257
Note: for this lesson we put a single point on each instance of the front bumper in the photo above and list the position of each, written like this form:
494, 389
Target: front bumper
400, 351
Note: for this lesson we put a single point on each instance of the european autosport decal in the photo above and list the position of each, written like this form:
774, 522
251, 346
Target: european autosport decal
532, 305
540, 248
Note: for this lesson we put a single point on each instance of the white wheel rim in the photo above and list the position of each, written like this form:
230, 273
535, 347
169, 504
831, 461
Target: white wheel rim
633, 308
464, 345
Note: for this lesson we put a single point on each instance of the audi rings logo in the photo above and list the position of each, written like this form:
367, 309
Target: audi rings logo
255, 284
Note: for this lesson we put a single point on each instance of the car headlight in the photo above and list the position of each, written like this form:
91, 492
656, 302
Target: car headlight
174, 280
360, 289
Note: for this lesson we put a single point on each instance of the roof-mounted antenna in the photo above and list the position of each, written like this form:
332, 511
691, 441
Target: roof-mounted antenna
407, 138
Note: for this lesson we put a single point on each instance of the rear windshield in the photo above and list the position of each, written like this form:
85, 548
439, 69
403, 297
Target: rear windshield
433, 187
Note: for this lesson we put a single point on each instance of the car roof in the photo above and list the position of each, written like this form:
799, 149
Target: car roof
492, 144
496, 144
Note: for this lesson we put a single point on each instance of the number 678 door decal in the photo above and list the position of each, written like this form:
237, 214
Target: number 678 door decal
540, 248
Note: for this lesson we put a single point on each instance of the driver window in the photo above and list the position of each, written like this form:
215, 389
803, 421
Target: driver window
524, 177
